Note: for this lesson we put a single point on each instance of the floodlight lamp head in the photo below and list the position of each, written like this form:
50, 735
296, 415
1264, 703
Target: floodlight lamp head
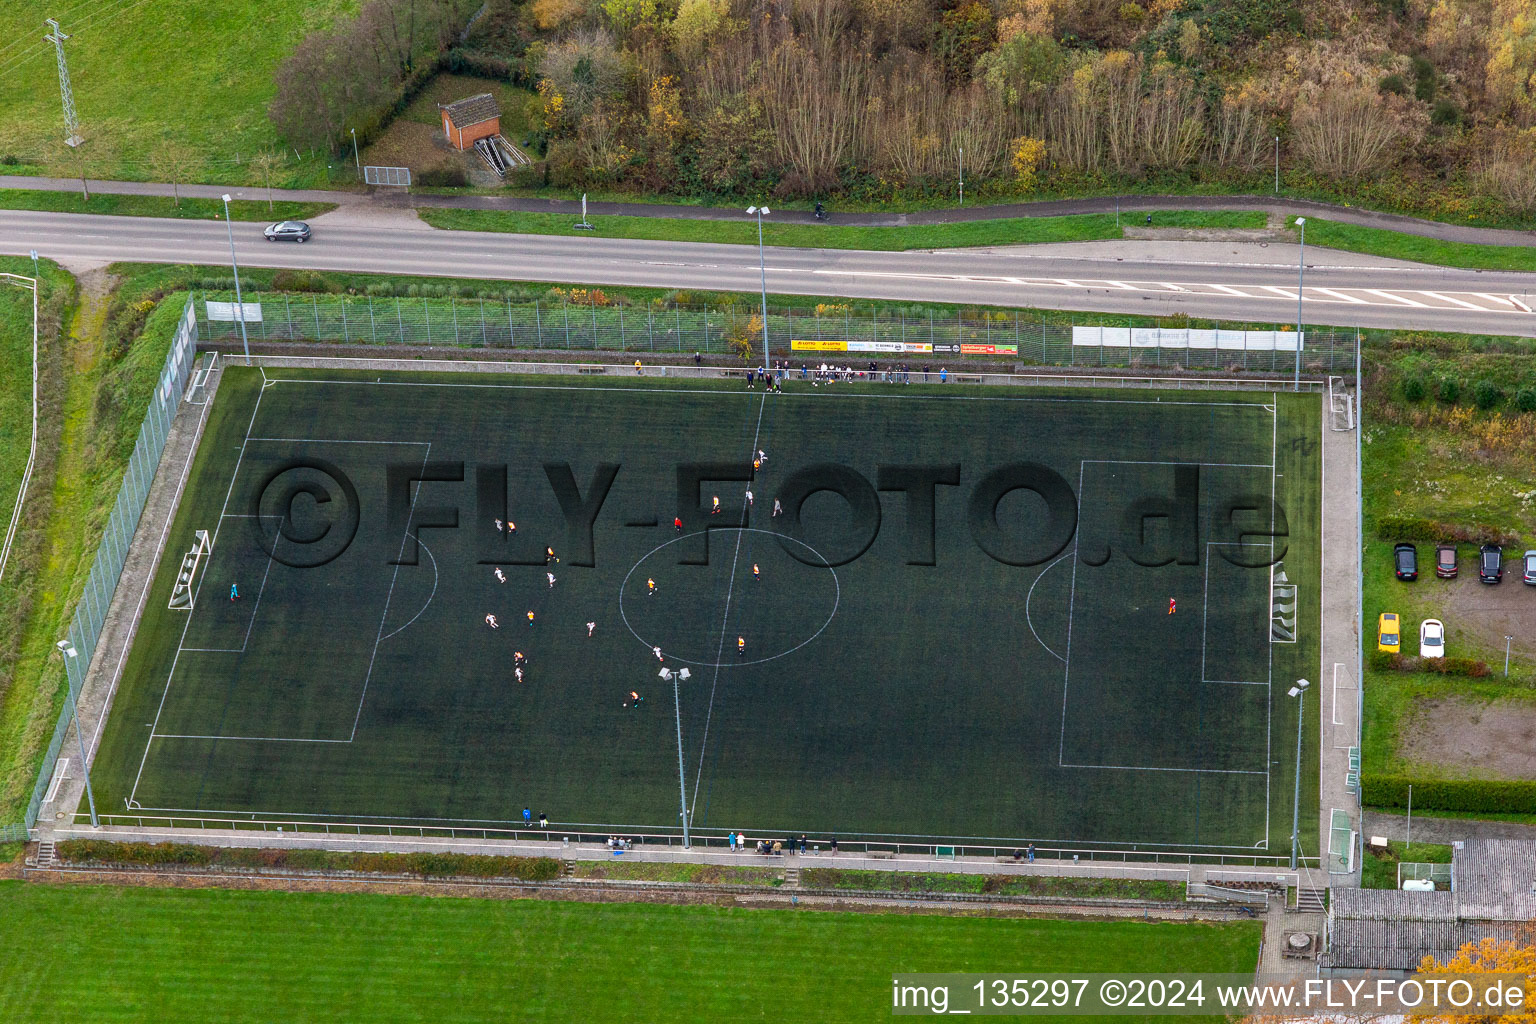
683, 674
1302, 684
1301, 220
67, 648
665, 673
225, 197
1293, 691
751, 209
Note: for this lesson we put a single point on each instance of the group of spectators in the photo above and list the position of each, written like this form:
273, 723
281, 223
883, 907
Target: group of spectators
775, 847
898, 373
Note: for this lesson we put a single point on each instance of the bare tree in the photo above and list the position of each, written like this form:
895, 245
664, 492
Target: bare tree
263, 164
1345, 133
170, 161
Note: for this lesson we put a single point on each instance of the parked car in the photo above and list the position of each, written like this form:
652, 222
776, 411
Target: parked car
287, 231
1529, 563
1445, 561
1389, 637
1490, 563
1406, 558
1431, 639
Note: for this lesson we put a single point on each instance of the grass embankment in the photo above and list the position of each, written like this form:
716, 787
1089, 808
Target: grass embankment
1010, 231
171, 954
98, 373
1379, 870
1398, 245
144, 75
156, 206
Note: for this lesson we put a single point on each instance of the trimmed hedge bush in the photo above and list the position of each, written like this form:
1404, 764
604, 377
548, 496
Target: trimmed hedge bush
1410, 528
426, 865
1485, 796
1445, 666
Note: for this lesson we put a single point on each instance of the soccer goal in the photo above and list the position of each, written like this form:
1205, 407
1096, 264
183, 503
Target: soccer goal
1341, 405
186, 577
197, 390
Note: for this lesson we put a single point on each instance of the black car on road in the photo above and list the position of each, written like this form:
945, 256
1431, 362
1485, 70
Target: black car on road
287, 231
1490, 563
1406, 559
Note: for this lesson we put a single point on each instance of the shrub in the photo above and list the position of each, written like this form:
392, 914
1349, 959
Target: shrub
1470, 667
1487, 796
443, 176
1487, 394
1405, 528
1445, 112
1525, 400
299, 281
1394, 84
1414, 389
427, 865
1448, 390
10, 160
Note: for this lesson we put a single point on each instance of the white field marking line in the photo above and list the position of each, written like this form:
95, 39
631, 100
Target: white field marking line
1061, 753
1342, 297
330, 440
252, 739
837, 601
725, 616
1148, 768
60, 773
271, 557
1186, 462
1269, 649
1236, 682
430, 596
384, 616
1395, 298
1460, 302
1028, 621
816, 395
212, 545
138, 612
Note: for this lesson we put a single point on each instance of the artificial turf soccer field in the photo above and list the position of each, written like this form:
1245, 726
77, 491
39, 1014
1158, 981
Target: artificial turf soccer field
968, 699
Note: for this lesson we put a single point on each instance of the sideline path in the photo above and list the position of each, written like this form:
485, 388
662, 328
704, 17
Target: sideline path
1275, 206
1443, 830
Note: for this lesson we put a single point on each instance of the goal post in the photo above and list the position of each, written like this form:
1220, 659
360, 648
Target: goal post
186, 576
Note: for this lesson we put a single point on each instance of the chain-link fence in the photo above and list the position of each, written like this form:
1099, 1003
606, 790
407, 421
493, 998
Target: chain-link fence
91, 613
821, 334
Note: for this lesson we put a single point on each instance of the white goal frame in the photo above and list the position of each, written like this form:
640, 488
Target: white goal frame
182, 594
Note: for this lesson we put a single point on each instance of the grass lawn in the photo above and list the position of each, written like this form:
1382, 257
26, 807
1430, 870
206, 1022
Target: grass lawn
1379, 871
15, 390
157, 955
198, 73
157, 206
1397, 245
875, 697
1011, 231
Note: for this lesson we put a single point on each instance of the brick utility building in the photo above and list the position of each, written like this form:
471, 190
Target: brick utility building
471, 119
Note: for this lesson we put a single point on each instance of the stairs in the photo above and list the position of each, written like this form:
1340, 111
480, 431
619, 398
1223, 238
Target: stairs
568, 868
791, 878
1310, 901
47, 856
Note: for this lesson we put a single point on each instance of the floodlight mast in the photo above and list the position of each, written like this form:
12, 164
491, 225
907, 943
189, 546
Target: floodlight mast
682, 788
1298, 691
67, 649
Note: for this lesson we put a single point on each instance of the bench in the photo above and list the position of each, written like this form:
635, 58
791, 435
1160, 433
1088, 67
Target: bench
591, 369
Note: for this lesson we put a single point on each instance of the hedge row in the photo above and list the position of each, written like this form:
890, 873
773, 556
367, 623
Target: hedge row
1445, 666
1485, 796
427, 865
1410, 528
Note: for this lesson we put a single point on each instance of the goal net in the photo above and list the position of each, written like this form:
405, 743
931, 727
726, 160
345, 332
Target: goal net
186, 577
1341, 405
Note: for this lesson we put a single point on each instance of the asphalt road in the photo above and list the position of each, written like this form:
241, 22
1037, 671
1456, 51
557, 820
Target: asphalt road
1341, 289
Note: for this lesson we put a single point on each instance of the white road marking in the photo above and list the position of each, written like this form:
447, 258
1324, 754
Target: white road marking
1339, 295
1456, 301
1394, 298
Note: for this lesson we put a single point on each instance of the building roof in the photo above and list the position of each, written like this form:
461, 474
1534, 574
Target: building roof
1495, 879
1384, 929
472, 110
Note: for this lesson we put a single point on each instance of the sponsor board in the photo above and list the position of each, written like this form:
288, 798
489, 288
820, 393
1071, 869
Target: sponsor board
797, 345
989, 350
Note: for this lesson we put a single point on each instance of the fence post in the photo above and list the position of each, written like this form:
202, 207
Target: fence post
485, 338
426, 314
373, 324
592, 298
314, 305
399, 320
623, 341
453, 304
566, 309
345, 337
538, 326
677, 318
511, 330
650, 326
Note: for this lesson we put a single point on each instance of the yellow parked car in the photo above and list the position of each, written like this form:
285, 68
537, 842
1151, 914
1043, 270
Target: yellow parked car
1389, 633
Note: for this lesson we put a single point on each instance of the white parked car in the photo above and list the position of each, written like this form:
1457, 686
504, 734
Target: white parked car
1431, 639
